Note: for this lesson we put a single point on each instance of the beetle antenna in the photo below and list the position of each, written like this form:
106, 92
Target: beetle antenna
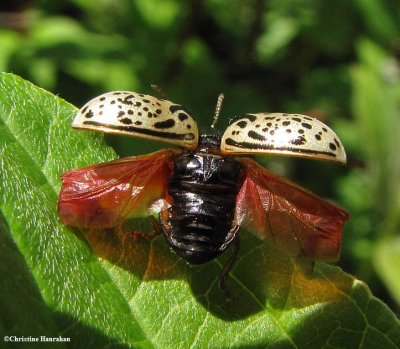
217, 110
159, 91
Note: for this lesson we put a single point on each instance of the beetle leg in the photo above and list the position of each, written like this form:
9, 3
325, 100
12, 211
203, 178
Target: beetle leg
165, 227
157, 230
229, 238
230, 263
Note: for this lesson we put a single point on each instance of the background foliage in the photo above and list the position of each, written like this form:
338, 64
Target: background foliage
335, 60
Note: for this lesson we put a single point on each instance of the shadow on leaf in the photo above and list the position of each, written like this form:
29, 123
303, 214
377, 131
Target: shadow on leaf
24, 312
262, 278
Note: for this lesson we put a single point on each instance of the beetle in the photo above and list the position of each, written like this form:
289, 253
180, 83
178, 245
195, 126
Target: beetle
205, 191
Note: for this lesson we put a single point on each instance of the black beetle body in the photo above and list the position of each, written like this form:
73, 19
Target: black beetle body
203, 189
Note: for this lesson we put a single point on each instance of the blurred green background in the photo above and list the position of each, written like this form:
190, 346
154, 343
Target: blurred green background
337, 60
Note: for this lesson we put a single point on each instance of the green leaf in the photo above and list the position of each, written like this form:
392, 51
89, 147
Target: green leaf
387, 264
103, 290
376, 105
381, 17
160, 15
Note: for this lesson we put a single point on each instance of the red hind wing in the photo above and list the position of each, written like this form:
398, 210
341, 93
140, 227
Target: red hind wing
290, 218
105, 195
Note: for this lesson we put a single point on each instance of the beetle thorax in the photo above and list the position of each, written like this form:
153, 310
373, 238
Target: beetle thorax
210, 138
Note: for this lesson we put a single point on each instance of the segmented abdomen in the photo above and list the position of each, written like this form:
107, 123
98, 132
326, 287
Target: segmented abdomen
203, 188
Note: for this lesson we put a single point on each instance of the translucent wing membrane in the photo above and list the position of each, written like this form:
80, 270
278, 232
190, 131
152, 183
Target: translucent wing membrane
138, 115
105, 195
283, 134
290, 218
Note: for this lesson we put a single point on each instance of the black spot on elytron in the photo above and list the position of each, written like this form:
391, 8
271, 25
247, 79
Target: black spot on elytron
306, 125
188, 127
119, 106
267, 146
102, 99
298, 141
332, 146
150, 114
286, 123
158, 111
128, 100
337, 142
256, 135
113, 101
257, 126
119, 100
138, 123
145, 108
288, 130
265, 129
301, 131
165, 124
158, 104
117, 93
285, 114
139, 113
100, 112
318, 137
138, 104
146, 100
176, 107
251, 117
89, 114
242, 124
279, 119
324, 129
182, 116
269, 124
141, 94
144, 131
101, 106
120, 114
130, 112
296, 119
307, 118
84, 110
126, 121
269, 118
271, 132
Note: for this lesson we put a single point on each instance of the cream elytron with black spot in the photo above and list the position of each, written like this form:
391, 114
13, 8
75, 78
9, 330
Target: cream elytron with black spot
134, 114
199, 196
282, 134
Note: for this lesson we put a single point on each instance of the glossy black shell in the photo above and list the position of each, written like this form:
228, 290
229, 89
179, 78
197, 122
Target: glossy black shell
203, 187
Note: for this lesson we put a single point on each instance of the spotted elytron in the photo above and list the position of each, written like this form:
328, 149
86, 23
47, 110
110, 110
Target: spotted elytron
204, 192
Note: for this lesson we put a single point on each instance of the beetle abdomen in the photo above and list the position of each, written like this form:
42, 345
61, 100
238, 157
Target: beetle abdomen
203, 188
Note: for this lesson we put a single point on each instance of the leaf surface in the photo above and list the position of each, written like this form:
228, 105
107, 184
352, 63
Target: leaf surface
104, 290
